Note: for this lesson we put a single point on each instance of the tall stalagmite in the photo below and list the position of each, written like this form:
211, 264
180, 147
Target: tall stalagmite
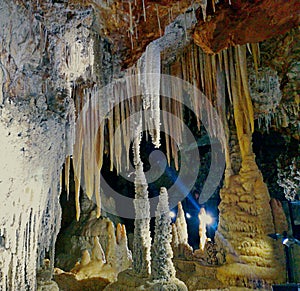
161, 265
253, 259
142, 240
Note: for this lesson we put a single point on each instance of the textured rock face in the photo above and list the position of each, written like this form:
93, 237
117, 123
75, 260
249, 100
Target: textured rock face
32, 134
245, 222
129, 27
246, 22
30, 210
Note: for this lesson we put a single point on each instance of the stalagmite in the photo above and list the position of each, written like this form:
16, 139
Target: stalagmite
180, 245
142, 240
97, 251
181, 226
161, 264
245, 197
111, 246
204, 220
279, 217
123, 253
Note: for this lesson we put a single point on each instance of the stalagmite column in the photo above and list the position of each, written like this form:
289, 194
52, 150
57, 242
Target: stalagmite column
163, 274
162, 266
253, 258
180, 245
204, 220
142, 240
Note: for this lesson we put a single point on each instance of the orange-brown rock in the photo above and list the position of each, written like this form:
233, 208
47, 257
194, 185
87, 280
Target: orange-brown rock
245, 21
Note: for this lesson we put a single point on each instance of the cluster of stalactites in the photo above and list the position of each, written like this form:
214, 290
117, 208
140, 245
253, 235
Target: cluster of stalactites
223, 78
203, 5
108, 119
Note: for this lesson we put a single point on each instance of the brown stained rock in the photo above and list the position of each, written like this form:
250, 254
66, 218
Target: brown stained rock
130, 37
246, 22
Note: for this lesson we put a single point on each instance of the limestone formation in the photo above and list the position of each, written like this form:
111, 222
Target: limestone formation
96, 263
162, 268
180, 245
64, 98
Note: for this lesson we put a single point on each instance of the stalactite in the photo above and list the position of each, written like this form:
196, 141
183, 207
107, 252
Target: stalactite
111, 138
158, 20
127, 139
164, 101
227, 74
149, 67
1, 84
238, 117
144, 10
241, 51
88, 161
99, 145
117, 133
77, 156
256, 55
97, 193
203, 5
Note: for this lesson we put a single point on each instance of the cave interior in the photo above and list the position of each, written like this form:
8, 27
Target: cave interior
149, 145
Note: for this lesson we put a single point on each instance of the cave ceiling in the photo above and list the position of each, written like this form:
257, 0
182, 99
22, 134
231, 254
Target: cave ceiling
129, 26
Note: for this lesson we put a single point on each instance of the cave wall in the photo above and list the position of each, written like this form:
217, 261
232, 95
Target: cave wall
35, 127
